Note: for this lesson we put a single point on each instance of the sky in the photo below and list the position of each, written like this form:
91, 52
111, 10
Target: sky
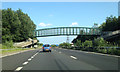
64, 14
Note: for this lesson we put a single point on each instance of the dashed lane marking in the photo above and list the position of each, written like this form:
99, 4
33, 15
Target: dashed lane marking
73, 57
19, 68
32, 57
25, 63
29, 59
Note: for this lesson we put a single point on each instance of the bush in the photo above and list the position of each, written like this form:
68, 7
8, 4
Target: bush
104, 50
39, 44
87, 43
53, 45
115, 51
100, 42
8, 44
65, 45
119, 52
78, 43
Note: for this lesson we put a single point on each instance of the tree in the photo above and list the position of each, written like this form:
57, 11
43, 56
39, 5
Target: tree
64, 45
100, 42
27, 25
111, 24
16, 26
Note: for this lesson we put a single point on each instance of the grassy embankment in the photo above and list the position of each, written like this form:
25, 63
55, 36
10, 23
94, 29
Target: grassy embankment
8, 48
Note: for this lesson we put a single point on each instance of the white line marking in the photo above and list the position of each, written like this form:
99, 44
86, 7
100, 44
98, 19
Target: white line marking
25, 63
29, 59
19, 68
32, 57
73, 57
37, 53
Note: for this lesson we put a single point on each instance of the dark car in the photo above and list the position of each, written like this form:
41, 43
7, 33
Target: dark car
47, 47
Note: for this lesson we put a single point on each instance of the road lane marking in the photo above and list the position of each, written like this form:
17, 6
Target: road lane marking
36, 53
32, 57
73, 57
29, 59
25, 63
19, 68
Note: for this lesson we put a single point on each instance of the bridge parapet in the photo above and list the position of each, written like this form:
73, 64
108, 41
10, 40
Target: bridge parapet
111, 33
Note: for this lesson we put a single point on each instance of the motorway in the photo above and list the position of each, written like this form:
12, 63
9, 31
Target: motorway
60, 59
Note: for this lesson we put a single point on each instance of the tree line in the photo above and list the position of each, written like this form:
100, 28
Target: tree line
16, 26
98, 45
112, 23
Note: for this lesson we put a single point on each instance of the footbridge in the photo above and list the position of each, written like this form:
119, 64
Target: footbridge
61, 31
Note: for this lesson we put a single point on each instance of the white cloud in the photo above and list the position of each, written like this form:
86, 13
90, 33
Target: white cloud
44, 25
74, 24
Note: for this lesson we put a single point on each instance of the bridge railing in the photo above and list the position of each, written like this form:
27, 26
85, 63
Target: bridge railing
110, 34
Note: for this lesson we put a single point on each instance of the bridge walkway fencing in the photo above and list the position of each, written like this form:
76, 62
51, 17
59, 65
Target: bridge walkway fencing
66, 31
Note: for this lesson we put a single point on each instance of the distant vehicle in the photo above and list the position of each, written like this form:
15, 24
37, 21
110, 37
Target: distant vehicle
47, 47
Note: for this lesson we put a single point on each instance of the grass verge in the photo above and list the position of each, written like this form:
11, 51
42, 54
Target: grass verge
15, 50
10, 51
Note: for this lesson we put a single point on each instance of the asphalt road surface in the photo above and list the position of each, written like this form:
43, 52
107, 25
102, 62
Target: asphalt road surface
59, 59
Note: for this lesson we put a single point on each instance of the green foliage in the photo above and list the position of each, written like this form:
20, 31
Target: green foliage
7, 45
40, 44
87, 43
16, 26
84, 38
78, 43
100, 43
111, 24
66, 45
53, 45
